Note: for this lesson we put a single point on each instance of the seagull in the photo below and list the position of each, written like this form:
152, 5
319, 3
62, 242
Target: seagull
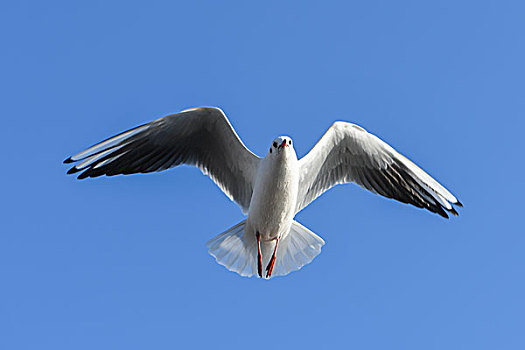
270, 191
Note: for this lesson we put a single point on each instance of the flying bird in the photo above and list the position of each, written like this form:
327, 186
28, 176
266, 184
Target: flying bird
269, 190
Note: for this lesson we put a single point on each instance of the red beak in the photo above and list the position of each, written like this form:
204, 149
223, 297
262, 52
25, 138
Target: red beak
283, 144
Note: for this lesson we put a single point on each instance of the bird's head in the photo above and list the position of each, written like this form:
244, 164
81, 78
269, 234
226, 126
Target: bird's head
281, 144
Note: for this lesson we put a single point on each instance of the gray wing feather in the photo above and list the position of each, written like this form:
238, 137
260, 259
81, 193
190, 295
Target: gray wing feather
202, 137
348, 153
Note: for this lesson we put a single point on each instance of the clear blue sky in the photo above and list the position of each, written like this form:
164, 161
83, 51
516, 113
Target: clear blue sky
121, 263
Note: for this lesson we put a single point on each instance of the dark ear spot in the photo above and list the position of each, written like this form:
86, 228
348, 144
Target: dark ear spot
270, 150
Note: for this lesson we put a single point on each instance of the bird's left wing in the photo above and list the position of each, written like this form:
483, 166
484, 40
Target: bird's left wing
202, 137
348, 153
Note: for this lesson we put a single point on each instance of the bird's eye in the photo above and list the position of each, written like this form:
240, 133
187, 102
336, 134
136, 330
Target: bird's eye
290, 142
275, 144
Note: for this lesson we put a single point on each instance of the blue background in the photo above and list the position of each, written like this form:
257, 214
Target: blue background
121, 263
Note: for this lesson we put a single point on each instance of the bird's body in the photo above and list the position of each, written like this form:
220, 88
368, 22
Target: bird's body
274, 198
270, 190
271, 211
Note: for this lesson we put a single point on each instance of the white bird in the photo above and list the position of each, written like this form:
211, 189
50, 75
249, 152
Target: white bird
270, 190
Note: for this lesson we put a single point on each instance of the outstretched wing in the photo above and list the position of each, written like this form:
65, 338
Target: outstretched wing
348, 153
202, 137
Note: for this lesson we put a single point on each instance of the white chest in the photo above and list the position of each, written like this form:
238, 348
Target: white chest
275, 194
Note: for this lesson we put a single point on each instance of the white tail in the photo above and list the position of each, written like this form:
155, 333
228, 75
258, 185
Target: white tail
234, 251
238, 252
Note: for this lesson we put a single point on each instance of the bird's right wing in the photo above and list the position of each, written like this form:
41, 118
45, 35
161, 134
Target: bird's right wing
348, 153
202, 137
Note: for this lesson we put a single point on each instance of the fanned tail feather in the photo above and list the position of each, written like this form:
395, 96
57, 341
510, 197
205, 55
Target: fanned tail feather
234, 251
238, 252
297, 249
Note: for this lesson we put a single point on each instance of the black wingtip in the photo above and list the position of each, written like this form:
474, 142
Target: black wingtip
454, 212
72, 171
69, 160
83, 175
459, 204
442, 213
